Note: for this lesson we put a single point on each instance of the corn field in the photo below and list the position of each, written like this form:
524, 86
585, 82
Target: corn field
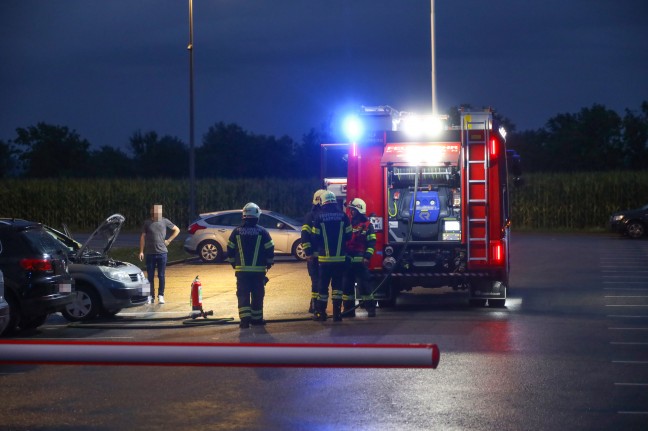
83, 204
575, 201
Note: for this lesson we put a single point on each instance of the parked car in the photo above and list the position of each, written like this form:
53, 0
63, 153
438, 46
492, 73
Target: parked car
209, 234
104, 286
35, 269
4, 307
632, 223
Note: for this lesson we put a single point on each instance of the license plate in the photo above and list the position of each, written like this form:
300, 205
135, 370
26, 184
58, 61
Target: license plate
65, 288
146, 289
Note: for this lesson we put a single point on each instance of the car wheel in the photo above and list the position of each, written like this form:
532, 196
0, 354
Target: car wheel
210, 252
86, 305
635, 229
14, 316
298, 250
32, 322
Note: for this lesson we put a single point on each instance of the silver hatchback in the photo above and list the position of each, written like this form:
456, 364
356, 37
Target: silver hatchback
209, 234
104, 285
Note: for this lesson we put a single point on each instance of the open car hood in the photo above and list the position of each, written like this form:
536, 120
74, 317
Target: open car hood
103, 237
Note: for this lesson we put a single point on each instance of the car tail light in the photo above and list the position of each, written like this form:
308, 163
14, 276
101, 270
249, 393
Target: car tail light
194, 228
42, 265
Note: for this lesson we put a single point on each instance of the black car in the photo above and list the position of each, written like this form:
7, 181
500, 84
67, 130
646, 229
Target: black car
36, 277
632, 223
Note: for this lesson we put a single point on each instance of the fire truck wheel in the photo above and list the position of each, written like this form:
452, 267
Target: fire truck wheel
298, 250
210, 251
497, 303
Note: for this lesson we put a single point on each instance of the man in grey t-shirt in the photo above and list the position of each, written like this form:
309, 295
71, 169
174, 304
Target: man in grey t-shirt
153, 244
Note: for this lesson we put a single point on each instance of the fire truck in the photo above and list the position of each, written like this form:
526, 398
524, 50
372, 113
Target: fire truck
438, 197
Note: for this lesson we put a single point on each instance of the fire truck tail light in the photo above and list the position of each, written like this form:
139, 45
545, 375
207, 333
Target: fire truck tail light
498, 252
493, 147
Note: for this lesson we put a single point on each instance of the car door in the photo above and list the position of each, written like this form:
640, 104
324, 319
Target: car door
280, 237
222, 225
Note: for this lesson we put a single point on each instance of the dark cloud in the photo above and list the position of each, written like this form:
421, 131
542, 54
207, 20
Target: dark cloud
109, 68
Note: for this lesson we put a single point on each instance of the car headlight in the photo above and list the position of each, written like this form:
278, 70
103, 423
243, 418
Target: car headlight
618, 217
116, 274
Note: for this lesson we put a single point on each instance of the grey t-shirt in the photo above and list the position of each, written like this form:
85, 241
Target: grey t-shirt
155, 235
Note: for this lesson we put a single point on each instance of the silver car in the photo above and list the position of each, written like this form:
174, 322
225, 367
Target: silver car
209, 234
4, 306
104, 286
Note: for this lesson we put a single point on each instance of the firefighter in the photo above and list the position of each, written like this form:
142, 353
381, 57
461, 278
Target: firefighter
306, 234
360, 249
250, 251
331, 229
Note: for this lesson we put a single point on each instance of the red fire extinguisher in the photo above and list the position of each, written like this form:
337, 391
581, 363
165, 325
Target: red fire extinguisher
196, 300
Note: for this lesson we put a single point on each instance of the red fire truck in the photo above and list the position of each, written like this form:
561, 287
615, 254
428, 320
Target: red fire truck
439, 203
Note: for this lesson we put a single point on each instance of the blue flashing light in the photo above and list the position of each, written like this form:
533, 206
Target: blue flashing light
353, 128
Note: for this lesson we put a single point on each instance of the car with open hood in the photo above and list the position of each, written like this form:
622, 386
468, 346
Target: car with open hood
104, 286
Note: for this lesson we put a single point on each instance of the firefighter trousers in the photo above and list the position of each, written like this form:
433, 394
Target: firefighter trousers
330, 274
250, 291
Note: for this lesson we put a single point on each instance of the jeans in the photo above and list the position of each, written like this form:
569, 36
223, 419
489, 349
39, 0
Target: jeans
153, 260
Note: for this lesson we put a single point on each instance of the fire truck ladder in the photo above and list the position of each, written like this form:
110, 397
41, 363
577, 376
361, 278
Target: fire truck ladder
474, 136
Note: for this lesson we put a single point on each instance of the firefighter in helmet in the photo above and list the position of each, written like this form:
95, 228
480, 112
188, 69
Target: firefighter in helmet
250, 251
306, 235
331, 229
360, 249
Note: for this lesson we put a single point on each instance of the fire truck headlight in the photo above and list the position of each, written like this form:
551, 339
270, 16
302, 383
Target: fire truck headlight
353, 128
389, 250
389, 263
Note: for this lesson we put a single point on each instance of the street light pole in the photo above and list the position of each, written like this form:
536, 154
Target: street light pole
434, 92
192, 156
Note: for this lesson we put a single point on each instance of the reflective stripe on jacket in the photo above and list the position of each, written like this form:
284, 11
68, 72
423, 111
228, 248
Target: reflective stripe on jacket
331, 229
250, 249
363, 240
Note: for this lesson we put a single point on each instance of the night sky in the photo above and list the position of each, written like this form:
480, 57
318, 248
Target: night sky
281, 67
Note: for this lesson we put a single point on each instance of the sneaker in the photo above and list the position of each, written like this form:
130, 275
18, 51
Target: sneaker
161, 299
149, 300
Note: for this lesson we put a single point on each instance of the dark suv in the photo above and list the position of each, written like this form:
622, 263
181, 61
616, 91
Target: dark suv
36, 277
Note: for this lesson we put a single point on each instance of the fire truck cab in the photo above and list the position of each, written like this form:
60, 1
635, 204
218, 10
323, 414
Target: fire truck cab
438, 202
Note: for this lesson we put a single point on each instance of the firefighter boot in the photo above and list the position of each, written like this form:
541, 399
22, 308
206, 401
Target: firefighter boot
370, 306
349, 308
320, 311
337, 310
311, 309
245, 323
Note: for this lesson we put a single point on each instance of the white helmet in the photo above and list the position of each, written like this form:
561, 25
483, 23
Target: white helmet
328, 197
359, 205
251, 210
317, 197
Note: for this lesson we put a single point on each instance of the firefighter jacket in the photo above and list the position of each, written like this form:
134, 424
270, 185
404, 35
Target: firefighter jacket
331, 229
363, 239
250, 248
307, 231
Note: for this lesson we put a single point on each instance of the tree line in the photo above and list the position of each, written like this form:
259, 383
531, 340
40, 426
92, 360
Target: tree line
593, 139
